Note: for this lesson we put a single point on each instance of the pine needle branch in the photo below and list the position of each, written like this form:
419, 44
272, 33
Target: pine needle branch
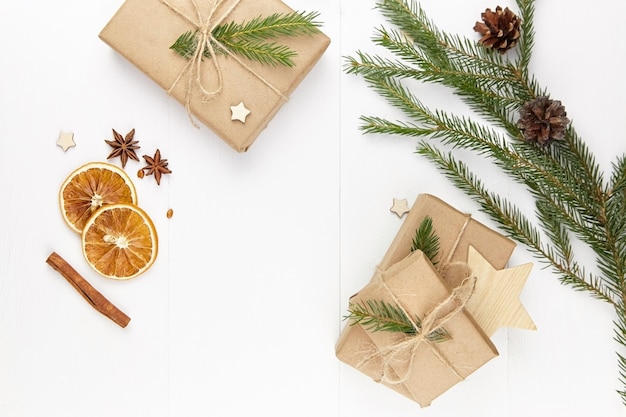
267, 53
527, 164
375, 315
250, 39
527, 42
518, 226
270, 27
426, 240
186, 44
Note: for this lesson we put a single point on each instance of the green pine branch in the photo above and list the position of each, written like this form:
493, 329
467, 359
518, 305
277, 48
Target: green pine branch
527, 41
267, 53
270, 27
249, 39
426, 240
186, 44
574, 200
375, 315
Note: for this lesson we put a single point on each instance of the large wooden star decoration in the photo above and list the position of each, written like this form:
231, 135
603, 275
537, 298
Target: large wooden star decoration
495, 302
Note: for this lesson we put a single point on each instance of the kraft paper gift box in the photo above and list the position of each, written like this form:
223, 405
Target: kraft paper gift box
143, 30
413, 280
419, 369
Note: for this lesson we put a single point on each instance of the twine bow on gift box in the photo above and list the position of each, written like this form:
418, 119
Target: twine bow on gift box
431, 322
430, 327
423, 323
202, 40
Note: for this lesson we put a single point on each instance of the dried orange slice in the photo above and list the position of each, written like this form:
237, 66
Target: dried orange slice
90, 187
120, 241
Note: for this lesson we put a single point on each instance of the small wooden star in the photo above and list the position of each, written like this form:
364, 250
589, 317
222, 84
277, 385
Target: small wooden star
239, 112
400, 207
66, 140
495, 301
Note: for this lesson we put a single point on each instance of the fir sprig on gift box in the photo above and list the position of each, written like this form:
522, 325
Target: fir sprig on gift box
250, 39
522, 131
426, 240
376, 315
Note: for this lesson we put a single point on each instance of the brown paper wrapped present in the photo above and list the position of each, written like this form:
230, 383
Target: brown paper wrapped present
414, 366
143, 30
410, 280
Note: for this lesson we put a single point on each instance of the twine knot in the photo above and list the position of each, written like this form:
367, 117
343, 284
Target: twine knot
204, 26
433, 320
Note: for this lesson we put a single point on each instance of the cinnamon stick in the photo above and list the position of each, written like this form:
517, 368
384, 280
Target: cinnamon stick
89, 293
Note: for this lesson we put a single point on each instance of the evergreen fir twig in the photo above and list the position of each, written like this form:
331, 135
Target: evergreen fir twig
250, 39
573, 199
186, 44
426, 240
375, 315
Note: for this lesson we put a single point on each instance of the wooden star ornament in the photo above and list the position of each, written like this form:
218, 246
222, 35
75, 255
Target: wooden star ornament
495, 302
239, 112
400, 207
66, 140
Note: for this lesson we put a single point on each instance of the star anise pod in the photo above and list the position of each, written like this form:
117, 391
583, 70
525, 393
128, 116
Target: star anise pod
156, 165
123, 147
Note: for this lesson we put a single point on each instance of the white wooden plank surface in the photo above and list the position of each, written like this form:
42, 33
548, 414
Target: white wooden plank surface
241, 311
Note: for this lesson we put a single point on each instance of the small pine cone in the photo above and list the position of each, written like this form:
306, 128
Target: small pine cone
500, 29
543, 121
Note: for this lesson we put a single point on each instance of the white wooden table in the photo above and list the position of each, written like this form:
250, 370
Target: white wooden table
241, 311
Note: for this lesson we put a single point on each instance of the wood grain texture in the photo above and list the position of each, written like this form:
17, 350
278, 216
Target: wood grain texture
495, 302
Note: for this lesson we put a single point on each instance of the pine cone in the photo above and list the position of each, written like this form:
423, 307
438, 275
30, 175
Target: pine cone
542, 121
500, 29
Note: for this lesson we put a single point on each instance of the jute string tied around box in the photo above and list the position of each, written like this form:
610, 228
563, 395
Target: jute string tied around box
433, 320
204, 26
